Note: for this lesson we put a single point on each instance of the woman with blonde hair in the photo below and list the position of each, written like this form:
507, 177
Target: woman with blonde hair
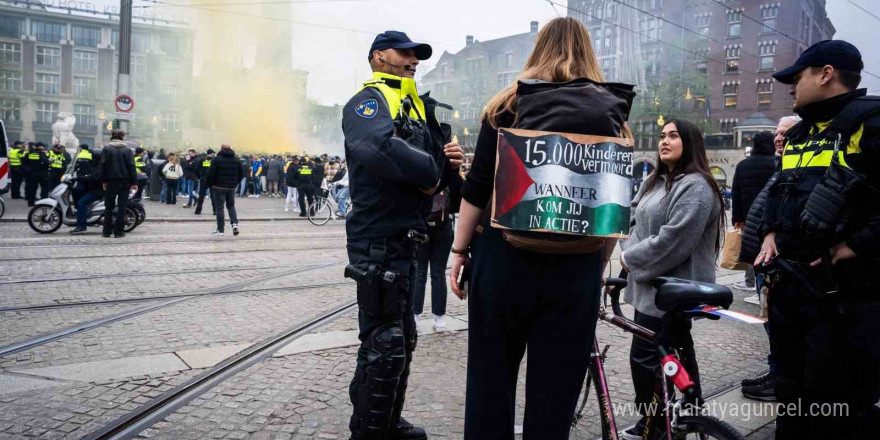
173, 172
533, 297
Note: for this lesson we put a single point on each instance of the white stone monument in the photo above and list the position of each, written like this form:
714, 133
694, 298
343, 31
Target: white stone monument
62, 131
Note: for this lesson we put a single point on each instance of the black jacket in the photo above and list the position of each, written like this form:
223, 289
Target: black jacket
35, 163
201, 169
317, 175
225, 171
292, 175
752, 174
117, 163
190, 170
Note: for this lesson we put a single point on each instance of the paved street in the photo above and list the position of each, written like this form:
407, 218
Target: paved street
184, 302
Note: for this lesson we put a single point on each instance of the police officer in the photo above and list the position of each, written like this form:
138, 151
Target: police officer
142, 169
16, 170
88, 185
395, 149
202, 173
59, 159
305, 186
37, 165
821, 230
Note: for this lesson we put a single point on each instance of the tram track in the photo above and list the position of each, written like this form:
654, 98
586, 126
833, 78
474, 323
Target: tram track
136, 274
100, 322
160, 240
167, 254
157, 409
53, 306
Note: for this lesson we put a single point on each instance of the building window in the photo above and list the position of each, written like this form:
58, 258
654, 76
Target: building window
10, 52
10, 81
702, 22
85, 115
171, 45
805, 26
48, 84
86, 36
170, 122
508, 60
114, 38
609, 68
765, 93
766, 52
444, 70
727, 125
48, 32
609, 38
140, 42
731, 92
768, 17
170, 93
732, 57
652, 63
85, 60
84, 87
12, 27
734, 23
699, 102
650, 30
171, 69
48, 56
10, 109
46, 111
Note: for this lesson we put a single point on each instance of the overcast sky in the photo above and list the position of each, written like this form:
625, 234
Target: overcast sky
859, 28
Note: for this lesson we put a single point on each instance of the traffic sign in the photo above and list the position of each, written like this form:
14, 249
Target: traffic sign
124, 116
124, 103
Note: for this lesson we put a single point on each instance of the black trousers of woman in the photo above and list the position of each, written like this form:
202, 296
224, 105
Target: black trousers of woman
644, 361
433, 254
520, 299
171, 191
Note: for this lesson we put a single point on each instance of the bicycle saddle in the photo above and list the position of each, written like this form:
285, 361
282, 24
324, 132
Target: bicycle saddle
676, 293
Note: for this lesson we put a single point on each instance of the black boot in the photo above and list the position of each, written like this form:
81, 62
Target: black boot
406, 431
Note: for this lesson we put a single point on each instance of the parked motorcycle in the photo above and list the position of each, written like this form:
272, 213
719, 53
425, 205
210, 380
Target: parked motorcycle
50, 213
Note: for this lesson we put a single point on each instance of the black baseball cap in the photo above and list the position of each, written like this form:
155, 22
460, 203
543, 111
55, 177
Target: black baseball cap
399, 40
836, 53
210, 151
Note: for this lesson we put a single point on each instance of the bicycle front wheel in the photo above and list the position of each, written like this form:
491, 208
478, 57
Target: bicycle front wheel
320, 213
702, 428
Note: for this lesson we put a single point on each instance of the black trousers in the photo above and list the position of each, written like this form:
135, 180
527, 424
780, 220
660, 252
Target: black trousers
305, 192
433, 254
18, 175
827, 353
222, 197
388, 338
31, 184
546, 303
203, 188
171, 191
54, 178
644, 361
116, 197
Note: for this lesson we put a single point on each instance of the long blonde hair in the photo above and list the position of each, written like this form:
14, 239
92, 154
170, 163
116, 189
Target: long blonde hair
563, 51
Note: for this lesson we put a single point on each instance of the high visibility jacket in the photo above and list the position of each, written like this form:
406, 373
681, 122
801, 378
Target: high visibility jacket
394, 89
206, 163
15, 155
139, 164
56, 161
87, 155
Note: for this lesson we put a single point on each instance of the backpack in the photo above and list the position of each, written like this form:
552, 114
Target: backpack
579, 106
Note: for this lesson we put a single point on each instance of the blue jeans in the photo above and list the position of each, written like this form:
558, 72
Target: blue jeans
186, 187
342, 199
82, 209
242, 187
162, 192
257, 188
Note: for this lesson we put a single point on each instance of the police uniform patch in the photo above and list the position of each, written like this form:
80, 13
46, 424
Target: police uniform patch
367, 109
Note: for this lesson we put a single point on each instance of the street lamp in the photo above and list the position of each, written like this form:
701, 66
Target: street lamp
456, 115
660, 121
688, 96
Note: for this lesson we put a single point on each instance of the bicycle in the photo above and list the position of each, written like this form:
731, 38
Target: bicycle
325, 206
681, 300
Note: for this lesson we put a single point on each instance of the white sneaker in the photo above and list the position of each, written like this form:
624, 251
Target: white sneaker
741, 285
753, 300
417, 323
216, 233
440, 323
286, 209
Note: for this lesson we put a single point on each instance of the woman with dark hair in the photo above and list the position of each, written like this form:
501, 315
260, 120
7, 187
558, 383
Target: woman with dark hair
535, 299
677, 220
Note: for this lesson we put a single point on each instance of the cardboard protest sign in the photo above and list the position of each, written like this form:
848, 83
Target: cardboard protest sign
563, 183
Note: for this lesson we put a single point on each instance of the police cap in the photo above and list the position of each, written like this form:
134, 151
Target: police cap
399, 40
836, 53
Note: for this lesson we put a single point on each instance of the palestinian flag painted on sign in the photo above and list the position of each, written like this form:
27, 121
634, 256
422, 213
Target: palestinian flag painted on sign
562, 183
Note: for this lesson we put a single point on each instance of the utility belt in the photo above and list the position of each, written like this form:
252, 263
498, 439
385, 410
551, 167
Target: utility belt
380, 290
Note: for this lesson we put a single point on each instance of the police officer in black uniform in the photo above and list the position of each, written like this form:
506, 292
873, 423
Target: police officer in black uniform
395, 150
16, 170
203, 166
37, 165
59, 159
305, 185
821, 249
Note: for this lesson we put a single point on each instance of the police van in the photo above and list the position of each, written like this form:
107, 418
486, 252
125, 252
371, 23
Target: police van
4, 159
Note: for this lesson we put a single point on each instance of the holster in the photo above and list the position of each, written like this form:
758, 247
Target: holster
380, 292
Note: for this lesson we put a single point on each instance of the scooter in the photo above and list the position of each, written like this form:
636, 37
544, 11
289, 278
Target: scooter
50, 213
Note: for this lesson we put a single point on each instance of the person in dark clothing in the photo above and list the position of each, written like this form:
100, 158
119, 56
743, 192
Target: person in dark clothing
396, 159
16, 170
118, 174
203, 165
88, 184
523, 300
317, 173
748, 180
190, 166
305, 187
435, 253
821, 229
36, 163
225, 172
143, 171
59, 159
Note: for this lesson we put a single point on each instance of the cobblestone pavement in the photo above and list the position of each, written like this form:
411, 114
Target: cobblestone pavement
302, 396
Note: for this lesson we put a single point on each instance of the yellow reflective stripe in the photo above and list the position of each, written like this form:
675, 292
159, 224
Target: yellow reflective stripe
84, 154
15, 157
811, 159
206, 163
853, 147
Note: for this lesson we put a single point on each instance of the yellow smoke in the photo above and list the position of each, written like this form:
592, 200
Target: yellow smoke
246, 92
